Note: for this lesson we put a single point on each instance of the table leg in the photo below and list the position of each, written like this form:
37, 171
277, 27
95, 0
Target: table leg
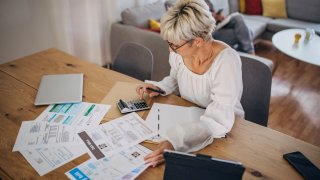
279, 56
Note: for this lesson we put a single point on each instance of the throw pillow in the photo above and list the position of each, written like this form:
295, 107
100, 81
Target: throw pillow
154, 25
242, 6
139, 16
274, 8
253, 7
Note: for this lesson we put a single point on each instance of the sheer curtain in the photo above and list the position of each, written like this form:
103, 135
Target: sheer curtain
82, 27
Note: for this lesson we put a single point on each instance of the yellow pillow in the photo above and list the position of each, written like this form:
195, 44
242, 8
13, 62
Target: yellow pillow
154, 25
242, 6
274, 8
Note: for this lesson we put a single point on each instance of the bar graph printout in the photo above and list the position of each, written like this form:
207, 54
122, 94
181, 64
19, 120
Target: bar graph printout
75, 114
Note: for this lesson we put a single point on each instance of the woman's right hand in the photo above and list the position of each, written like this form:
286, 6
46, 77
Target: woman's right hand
142, 89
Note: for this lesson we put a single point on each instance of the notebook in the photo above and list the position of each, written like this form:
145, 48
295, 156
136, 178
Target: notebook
60, 88
193, 167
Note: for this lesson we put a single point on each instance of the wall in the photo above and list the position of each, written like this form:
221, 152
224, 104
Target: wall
78, 27
25, 28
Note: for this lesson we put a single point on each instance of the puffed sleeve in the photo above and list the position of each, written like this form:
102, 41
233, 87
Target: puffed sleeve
169, 83
219, 116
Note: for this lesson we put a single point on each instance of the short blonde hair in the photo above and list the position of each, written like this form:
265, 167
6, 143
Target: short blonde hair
186, 20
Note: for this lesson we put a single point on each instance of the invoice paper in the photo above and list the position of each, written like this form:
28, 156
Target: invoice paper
164, 116
75, 114
44, 160
34, 134
116, 135
127, 164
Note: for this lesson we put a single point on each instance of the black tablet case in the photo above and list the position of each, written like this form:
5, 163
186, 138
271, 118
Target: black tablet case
186, 167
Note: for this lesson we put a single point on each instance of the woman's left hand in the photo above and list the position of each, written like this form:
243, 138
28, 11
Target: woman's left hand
156, 157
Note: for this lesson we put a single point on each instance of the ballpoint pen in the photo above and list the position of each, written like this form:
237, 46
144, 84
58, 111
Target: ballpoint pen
156, 90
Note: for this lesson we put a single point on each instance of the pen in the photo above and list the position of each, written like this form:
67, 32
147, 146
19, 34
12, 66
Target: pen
158, 123
155, 90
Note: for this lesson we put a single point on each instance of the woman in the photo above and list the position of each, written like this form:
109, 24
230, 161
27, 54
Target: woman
204, 71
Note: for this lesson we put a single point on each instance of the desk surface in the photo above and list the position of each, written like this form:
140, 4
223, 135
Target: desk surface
260, 149
305, 50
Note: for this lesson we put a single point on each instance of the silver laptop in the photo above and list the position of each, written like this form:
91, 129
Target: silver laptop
60, 88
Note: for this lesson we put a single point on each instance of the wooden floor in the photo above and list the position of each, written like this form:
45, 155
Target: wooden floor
295, 96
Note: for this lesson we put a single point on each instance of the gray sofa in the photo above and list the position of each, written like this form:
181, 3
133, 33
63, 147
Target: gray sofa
301, 14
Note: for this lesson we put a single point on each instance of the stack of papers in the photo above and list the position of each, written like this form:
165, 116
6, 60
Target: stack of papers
66, 131
51, 140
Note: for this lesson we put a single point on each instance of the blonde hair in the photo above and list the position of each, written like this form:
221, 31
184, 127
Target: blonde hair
186, 20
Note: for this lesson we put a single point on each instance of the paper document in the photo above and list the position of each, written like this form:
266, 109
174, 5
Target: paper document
75, 114
127, 164
162, 117
34, 134
226, 20
44, 160
116, 135
51, 140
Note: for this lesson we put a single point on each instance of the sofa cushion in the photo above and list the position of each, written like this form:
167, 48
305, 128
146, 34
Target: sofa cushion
234, 6
242, 6
253, 7
257, 18
256, 27
139, 16
274, 8
306, 10
281, 24
257, 24
154, 25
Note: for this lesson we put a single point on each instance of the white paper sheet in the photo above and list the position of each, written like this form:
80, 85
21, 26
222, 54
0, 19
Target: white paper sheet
127, 164
34, 134
75, 114
116, 135
164, 116
44, 160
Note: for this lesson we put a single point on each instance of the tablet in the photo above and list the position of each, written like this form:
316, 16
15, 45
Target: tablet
191, 167
60, 88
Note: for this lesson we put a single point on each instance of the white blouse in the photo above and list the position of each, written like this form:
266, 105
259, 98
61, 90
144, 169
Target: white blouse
218, 90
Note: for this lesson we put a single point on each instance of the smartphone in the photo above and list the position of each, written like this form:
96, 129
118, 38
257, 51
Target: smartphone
219, 11
303, 165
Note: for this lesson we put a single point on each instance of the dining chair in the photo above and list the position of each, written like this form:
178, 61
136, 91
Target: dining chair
257, 78
134, 60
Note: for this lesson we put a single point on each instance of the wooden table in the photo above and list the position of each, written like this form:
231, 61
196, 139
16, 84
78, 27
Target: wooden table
260, 149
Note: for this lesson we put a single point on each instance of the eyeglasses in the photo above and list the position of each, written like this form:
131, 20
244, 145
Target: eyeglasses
175, 47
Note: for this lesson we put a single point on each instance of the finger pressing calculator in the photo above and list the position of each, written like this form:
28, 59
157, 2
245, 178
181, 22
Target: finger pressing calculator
132, 106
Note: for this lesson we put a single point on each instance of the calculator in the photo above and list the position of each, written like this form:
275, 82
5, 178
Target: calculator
132, 106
